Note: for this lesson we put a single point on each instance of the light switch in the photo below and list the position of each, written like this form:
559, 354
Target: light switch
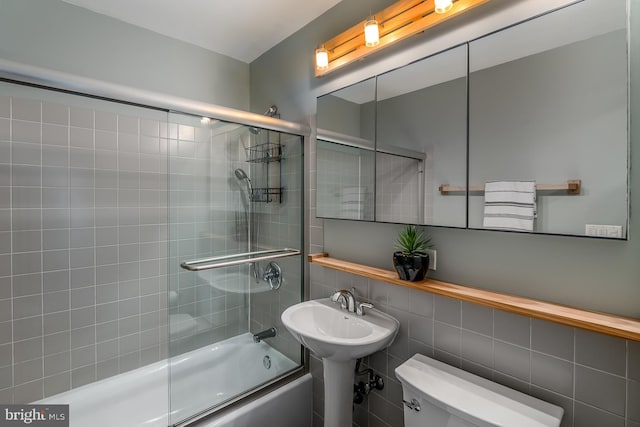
432, 258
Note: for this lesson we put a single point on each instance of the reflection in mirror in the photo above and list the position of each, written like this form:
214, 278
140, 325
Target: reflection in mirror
548, 103
421, 140
345, 153
344, 180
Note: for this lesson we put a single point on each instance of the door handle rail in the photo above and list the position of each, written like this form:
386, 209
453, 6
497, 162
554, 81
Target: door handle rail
237, 259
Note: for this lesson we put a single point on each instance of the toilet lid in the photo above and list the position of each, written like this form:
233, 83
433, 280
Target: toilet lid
473, 398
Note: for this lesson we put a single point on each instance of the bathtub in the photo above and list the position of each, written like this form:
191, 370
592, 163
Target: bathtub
199, 379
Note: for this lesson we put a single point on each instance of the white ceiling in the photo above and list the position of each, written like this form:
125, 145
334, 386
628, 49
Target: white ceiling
241, 29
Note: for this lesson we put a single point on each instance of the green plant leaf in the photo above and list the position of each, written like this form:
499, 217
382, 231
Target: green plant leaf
412, 242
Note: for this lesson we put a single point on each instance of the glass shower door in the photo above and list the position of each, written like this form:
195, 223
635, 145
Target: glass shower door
235, 230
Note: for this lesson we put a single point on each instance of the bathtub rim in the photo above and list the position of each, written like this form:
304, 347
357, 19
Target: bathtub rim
246, 398
218, 409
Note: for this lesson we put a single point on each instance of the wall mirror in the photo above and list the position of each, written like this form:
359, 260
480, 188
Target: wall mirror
421, 140
548, 103
345, 153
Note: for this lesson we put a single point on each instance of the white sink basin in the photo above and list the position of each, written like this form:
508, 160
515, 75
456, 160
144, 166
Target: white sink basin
334, 333
339, 337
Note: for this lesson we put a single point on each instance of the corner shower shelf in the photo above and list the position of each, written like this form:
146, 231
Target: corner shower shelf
264, 153
609, 324
266, 195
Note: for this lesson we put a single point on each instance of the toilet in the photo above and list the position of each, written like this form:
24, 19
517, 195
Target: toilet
438, 395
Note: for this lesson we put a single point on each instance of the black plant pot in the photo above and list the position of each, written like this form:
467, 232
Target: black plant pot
411, 267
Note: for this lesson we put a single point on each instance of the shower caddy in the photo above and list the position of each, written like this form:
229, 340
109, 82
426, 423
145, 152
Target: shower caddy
267, 153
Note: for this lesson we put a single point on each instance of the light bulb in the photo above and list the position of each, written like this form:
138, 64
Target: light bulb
371, 33
322, 58
443, 6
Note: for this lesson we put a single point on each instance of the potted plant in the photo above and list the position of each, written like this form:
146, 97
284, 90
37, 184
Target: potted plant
411, 260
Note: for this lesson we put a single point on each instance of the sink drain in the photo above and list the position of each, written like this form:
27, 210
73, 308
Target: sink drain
266, 361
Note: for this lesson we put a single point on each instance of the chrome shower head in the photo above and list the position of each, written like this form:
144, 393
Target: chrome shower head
240, 174
271, 112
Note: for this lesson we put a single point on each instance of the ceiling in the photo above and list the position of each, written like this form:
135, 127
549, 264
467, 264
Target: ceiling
241, 29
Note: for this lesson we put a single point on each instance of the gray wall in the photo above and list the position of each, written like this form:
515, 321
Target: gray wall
57, 35
433, 121
588, 273
95, 306
593, 377
339, 115
518, 351
575, 128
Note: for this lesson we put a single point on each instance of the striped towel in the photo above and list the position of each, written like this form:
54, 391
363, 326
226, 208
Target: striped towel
510, 205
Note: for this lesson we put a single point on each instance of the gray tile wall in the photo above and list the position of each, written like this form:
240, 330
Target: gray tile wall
85, 243
594, 377
82, 241
208, 218
281, 227
204, 206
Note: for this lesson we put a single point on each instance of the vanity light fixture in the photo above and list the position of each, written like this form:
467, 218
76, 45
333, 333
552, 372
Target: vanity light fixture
371, 32
443, 6
322, 58
392, 24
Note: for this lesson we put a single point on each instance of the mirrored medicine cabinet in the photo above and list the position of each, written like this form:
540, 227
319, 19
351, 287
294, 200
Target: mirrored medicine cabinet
545, 101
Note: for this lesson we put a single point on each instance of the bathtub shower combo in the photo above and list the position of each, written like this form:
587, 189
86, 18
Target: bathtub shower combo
150, 245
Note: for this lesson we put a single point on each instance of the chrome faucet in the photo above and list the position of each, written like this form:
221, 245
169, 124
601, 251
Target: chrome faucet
346, 299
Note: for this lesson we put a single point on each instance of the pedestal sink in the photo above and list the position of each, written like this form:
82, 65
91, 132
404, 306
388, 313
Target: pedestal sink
340, 338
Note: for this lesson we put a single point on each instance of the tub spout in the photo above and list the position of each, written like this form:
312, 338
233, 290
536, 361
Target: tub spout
267, 333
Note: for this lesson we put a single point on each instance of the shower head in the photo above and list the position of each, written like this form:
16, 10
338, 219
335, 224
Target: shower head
242, 176
271, 112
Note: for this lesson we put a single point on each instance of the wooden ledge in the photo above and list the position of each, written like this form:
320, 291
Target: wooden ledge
617, 326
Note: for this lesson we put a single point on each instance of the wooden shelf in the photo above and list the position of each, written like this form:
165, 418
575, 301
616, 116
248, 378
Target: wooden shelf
617, 326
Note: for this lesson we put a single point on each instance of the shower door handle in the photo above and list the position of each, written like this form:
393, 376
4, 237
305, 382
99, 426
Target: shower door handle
237, 259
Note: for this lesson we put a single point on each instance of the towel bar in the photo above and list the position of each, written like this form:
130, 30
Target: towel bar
572, 186
237, 259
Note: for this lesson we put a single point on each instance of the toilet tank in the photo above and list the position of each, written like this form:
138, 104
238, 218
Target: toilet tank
440, 395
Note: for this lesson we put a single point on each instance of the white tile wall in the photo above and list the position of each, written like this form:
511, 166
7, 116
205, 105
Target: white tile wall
90, 244
83, 269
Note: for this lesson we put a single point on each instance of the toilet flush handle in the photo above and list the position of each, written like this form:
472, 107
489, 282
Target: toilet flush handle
414, 405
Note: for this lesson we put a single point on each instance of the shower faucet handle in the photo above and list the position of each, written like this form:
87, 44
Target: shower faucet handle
362, 306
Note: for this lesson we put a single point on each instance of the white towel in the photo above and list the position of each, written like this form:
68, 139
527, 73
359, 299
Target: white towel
510, 205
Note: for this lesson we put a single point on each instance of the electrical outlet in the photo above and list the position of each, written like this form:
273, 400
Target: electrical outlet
432, 258
610, 231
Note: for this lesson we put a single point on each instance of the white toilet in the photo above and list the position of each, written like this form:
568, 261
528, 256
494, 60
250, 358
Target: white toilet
438, 395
